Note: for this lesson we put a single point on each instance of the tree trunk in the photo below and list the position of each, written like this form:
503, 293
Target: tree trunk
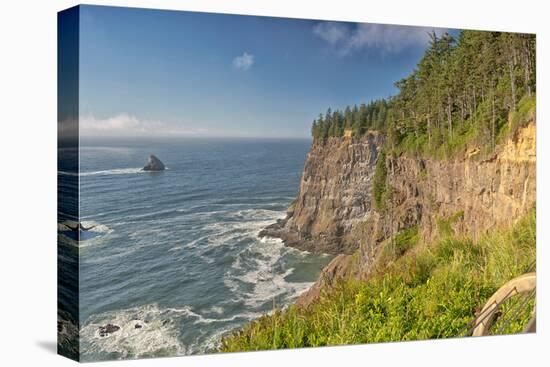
527, 66
462, 109
429, 130
512, 84
449, 117
493, 120
475, 104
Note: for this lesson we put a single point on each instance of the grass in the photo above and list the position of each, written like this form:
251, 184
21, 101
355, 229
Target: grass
432, 292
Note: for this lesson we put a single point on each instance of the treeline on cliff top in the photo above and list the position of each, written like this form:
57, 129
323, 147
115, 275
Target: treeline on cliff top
462, 89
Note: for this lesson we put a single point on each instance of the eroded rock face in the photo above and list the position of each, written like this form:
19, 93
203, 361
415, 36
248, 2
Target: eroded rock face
487, 191
334, 213
154, 164
335, 193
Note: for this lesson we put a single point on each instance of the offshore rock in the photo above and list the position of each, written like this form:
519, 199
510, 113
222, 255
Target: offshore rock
154, 164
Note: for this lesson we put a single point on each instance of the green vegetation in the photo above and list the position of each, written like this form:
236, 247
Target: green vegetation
462, 92
360, 119
398, 245
445, 225
380, 189
405, 240
431, 291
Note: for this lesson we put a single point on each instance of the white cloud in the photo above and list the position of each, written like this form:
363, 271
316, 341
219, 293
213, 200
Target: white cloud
121, 123
387, 38
331, 32
124, 124
244, 61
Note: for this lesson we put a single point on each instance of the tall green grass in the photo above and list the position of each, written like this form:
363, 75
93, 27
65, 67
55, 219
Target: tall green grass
431, 291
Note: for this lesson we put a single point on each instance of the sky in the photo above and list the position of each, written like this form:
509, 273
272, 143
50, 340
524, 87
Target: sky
171, 73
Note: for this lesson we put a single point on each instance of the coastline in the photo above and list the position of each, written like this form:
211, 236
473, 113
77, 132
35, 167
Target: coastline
467, 213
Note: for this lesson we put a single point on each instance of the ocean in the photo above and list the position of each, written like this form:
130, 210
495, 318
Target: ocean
173, 258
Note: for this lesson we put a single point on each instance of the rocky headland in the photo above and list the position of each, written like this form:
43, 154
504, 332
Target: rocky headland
334, 211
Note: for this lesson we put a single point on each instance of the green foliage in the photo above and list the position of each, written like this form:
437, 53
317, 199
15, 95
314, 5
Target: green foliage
360, 119
394, 248
405, 240
380, 190
525, 112
445, 225
461, 92
432, 292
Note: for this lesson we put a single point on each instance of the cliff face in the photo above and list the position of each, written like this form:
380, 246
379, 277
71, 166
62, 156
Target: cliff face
335, 194
480, 192
334, 211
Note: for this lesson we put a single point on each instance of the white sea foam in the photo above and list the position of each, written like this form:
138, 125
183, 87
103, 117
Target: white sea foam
66, 173
258, 266
108, 172
258, 215
90, 225
116, 171
95, 228
216, 309
149, 330
257, 275
158, 334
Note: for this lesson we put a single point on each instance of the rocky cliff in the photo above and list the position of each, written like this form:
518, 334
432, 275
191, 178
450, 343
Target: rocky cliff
334, 211
335, 195
478, 191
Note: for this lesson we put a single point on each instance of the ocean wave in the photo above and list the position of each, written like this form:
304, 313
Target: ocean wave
87, 238
257, 215
257, 275
144, 331
149, 330
92, 225
66, 173
115, 171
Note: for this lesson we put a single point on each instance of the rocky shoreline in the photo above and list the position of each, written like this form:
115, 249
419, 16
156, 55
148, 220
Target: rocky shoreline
334, 195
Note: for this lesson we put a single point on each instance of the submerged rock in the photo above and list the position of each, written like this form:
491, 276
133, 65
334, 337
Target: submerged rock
154, 164
108, 329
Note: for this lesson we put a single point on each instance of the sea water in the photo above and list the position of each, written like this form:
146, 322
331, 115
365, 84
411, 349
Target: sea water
173, 258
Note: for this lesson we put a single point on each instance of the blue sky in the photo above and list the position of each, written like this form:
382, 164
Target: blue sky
151, 72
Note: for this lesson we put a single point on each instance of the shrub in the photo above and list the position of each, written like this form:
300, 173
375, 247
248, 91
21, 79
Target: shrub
379, 185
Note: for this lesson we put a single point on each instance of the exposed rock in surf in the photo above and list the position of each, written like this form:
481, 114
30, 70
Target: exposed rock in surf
108, 329
154, 164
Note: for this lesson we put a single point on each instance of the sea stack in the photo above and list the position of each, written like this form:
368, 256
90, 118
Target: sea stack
154, 164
